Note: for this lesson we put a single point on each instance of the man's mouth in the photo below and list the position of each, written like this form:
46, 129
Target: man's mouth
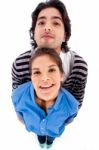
47, 36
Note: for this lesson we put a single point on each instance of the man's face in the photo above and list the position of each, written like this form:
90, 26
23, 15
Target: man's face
49, 31
46, 77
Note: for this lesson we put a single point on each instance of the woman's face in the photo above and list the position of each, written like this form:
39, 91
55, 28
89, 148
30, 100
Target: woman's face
46, 77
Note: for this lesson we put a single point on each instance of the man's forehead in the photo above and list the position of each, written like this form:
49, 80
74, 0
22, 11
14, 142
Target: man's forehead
51, 17
52, 13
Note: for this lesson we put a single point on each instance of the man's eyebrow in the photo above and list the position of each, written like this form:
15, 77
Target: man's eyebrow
42, 17
57, 17
53, 17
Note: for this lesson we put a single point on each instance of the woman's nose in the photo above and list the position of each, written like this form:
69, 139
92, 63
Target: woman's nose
45, 77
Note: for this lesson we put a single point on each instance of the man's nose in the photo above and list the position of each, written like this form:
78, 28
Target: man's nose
48, 27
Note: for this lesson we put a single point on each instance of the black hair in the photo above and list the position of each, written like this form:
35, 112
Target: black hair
46, 51
66, 21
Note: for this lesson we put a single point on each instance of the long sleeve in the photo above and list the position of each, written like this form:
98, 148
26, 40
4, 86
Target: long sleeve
77, 79
20, 70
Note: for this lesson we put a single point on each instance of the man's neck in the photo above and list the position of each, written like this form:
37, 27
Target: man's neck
58, 50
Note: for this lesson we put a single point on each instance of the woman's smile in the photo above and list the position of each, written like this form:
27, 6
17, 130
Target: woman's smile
46, 88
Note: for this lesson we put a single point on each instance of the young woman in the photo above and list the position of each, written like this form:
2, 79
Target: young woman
42, 104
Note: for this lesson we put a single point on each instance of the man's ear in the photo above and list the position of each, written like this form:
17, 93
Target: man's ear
64, 37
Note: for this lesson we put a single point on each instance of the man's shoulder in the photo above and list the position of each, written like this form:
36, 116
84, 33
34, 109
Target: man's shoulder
79, 65
24, 55
22, 59
78, 58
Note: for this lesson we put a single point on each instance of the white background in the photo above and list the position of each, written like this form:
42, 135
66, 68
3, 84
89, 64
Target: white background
15, 21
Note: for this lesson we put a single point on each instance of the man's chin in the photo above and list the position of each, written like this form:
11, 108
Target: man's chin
48, 45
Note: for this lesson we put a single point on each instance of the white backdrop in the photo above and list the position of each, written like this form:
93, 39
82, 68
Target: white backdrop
15, 21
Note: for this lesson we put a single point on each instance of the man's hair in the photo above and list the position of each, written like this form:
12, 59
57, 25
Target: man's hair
66, 21
46, 51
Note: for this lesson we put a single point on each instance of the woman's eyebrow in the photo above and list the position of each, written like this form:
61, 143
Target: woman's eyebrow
35, 68
52, 66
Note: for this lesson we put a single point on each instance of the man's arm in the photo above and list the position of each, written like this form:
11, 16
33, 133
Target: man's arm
16, 80
76, 82
20, 70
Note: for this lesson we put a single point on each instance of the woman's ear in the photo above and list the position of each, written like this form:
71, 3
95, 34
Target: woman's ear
62, 77
31, 75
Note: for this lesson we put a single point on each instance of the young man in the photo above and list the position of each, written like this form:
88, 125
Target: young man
51, 28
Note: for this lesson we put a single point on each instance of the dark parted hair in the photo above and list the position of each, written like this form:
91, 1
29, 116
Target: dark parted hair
46, 51
66, 21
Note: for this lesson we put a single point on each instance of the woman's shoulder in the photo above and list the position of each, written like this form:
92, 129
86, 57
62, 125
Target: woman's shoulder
22, 88
68, 97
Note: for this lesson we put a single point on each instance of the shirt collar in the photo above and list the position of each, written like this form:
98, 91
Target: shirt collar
58, 100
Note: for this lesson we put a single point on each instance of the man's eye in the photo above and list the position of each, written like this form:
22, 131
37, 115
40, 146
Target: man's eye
41, 23
56, 23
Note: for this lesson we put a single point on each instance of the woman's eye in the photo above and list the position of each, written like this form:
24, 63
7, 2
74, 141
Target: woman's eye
52, 70
36, 73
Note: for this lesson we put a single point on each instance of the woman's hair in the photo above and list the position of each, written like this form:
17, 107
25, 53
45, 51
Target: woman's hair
66, 21
46, 51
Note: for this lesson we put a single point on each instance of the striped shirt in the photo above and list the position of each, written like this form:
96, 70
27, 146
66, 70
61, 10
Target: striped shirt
75, 83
